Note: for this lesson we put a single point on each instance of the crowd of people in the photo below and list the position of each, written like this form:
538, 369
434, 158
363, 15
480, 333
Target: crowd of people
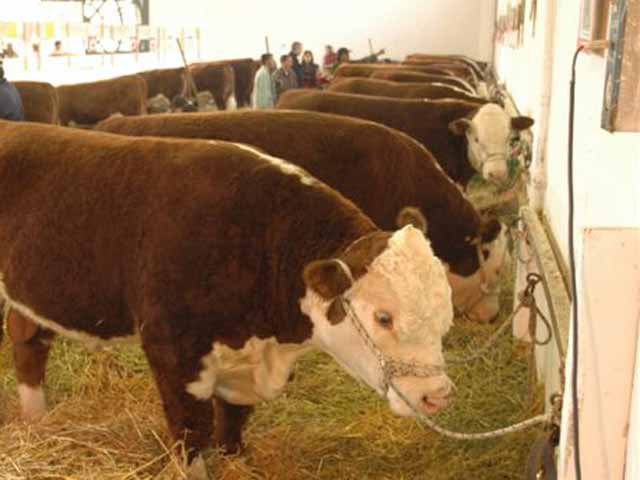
298, 69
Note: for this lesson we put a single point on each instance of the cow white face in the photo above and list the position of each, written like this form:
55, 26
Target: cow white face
401, 299
477, 295
490, 133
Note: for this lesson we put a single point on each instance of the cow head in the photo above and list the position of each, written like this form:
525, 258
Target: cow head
385, 297
490, 132
475, 282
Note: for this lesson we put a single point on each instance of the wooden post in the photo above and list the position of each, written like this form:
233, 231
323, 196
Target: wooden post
370, 47
190, 81
266, 44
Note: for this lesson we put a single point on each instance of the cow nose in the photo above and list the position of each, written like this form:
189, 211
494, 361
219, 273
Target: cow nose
436, 400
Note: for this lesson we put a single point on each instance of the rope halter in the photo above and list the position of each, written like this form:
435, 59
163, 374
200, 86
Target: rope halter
390, 367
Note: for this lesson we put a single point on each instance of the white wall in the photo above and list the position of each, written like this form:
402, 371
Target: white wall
607, 177
238, 28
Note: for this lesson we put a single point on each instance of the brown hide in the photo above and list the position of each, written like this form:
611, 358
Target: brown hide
217, 78
165, 81
380, 169
367, 69
40, 101
428, 59
385, 88
184, 242
404, 76
88, 103
244, 70
459, 70
425, 120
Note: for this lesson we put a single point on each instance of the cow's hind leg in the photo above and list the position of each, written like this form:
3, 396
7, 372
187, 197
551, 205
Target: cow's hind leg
31, 345
175, 362
229, 422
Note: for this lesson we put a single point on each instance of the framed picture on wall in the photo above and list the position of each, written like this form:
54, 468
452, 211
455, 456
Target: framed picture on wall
593, 20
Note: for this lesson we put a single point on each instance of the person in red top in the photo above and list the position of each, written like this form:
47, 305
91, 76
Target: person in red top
329, 60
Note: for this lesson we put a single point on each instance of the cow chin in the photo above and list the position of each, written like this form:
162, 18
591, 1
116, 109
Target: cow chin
486, 310
427, 396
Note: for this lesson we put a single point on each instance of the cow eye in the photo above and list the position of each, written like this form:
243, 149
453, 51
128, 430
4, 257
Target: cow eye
384, 319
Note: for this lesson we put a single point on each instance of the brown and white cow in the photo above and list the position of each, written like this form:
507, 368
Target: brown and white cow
40, 101
386, 88
464, 137
404, 76
341, 152
88, 103
217, 78
244, 70
165, 81
226, 263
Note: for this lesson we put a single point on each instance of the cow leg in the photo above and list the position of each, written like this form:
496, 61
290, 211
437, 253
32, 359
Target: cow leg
229, 422
31, 345
174, 365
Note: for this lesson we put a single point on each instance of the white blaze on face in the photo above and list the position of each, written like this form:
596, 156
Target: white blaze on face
489, 139
407, 282
468, 295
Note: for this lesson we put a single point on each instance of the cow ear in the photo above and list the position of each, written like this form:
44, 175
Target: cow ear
460, 126
336, 311
521, 123
412, 216
329, 278
490, 230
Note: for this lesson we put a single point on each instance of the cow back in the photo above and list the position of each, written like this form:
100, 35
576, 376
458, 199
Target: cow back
405, 76
89, 103
40, 101
218, 78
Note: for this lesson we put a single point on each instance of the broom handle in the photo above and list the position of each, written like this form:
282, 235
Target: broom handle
190, 81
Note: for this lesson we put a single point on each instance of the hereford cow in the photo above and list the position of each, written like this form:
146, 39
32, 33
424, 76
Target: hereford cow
463, 136
88, 103
425, 59
227, 264
385, 88
404, 76
217, 78
342, 151
367, 69
40, 101
244, 70
166, 81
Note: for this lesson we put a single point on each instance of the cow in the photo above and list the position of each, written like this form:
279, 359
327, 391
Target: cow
88, 103
464, 137
426, 59
406, 76
459, 65
343, 151
385, 88
40, 101
165, 81
217, 78
244, 70
225, 263
365, 70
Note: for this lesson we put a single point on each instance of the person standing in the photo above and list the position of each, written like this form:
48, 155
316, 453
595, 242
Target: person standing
285, 77
330, 59
296, 51
310, 71
10, 101
264, 95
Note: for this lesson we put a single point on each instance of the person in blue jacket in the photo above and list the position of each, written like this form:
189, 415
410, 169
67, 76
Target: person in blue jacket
10, 101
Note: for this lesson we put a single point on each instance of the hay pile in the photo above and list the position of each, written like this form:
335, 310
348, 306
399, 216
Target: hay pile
106, 422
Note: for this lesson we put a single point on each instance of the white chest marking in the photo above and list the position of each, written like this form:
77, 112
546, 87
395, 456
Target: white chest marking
259, 371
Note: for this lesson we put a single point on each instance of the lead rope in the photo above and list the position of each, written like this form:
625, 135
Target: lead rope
393, 368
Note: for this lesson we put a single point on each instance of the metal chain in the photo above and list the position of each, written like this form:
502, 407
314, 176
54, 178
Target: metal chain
393, 368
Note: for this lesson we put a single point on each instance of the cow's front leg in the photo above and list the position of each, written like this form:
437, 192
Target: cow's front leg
229, 422
174, 364
31, 345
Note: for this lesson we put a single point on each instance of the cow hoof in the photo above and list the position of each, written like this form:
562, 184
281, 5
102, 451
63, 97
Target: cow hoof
198, 470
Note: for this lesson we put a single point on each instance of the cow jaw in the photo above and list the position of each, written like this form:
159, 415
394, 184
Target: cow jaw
407, 282
468, 295
489, 139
